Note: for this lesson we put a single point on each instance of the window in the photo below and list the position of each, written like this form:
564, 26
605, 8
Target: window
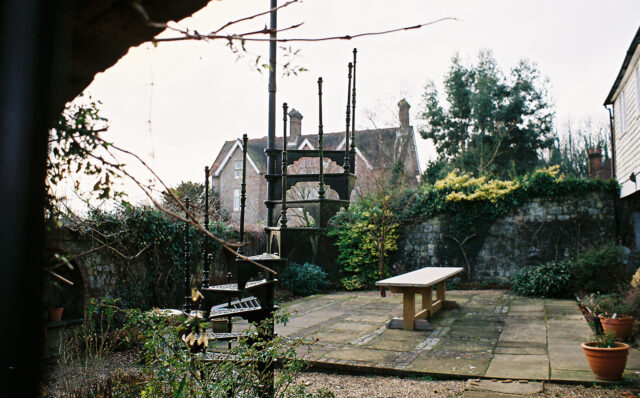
238, 168
622, 112
236, 199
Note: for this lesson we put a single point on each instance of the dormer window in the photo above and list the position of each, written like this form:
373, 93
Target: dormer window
238, 168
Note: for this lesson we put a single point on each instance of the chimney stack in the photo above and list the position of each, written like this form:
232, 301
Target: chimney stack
595, 162
295, 125
403, 113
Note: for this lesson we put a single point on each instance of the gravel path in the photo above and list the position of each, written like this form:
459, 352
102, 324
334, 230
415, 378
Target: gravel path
344, 386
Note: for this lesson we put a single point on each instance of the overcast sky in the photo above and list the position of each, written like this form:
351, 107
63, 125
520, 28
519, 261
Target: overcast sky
197, 94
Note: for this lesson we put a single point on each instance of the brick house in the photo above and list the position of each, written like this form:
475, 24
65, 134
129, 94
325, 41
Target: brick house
377, 150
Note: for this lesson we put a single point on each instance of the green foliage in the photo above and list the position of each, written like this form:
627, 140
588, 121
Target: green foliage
366, 235
151, 237
552, 279
171, 369
600, 270
304, 279
492, 124
610, 304
195, 192
73, 145
470, 204
605, 340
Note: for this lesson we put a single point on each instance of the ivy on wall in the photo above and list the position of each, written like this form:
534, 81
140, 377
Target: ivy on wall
470, 204
146, 236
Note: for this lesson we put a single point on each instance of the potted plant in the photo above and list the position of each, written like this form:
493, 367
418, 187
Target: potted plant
615, 315
607, 358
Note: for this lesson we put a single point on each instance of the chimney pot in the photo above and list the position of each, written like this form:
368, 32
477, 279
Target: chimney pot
295, 125
595, 162
403, 113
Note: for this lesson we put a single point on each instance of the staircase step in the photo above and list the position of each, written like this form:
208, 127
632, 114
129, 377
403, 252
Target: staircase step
223, 336
233, 287
239, 304
218, 313
212, 356
236, 308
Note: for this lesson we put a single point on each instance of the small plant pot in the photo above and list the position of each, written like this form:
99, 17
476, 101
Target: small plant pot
606, 363
55, 314
622, 326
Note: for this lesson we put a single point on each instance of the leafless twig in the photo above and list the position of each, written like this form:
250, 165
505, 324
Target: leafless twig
189, 216
192, 36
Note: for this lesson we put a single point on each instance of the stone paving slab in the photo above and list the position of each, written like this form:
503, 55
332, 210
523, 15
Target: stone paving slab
490, 388
519, 366
492, 335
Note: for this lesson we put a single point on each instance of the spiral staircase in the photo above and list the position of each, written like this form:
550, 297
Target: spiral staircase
249, 291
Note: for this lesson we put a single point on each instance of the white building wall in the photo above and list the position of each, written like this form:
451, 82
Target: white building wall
627, 127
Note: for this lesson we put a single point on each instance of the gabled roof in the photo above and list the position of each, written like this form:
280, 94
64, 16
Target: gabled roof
375, 146
623, 70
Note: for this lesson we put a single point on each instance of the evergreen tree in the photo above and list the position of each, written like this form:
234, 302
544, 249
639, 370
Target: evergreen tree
491, 124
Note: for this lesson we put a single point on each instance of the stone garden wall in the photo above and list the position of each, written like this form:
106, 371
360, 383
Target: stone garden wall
531, 234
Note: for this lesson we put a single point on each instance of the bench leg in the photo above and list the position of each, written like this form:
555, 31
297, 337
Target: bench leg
441, 287
408, 310
427, 301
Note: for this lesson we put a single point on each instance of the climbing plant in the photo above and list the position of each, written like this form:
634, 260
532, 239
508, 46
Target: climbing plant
147, 235
470, 204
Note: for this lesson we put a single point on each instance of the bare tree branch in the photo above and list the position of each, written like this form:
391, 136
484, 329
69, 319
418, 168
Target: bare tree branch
189, 218
192, 36
252, 17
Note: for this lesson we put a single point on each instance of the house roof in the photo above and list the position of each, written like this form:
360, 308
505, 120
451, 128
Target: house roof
623, 70
375, 146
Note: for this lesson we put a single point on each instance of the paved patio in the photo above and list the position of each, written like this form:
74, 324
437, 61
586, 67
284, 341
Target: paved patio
492, 335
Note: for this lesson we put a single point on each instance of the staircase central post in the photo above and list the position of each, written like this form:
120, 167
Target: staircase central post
353, 115
271, 151
320, 140
347, 167
243, 191
187, 259
205, 239
283, 210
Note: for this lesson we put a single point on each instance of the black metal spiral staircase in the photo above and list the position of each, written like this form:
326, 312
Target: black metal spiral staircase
283, 238
249, 294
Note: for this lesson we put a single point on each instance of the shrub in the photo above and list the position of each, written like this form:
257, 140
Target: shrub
610, 304
304, 279
632, 301
635, 280
600, 270
551, 279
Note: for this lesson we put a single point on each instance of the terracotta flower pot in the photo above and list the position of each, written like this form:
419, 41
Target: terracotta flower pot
55, 314
606, 363
622, 326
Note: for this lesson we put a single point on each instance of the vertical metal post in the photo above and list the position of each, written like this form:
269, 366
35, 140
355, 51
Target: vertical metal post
187, 260
283, 211
347, 167
320, 140
353, 115
229, 320
205, 239
271, 141
243, 192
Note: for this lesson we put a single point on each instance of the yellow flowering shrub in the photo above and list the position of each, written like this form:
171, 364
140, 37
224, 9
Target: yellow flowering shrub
467, 188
